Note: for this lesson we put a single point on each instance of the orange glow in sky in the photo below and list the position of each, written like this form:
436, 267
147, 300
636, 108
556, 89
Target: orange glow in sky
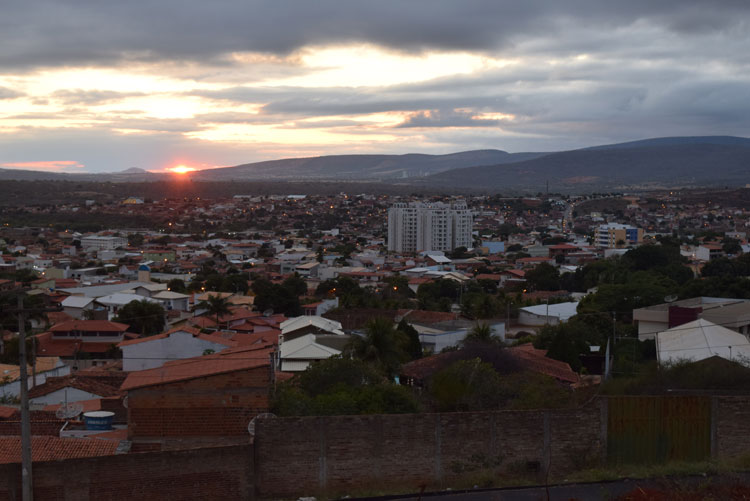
181, 169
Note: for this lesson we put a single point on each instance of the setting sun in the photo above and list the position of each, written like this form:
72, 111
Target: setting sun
181, 169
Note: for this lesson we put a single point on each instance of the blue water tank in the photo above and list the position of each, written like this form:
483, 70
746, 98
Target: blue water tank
98, 420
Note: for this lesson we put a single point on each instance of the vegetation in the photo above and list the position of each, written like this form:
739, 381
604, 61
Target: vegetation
144, 317
339, 386
215, 305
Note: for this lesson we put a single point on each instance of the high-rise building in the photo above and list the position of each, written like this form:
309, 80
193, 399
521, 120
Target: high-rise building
617, 235
436, 226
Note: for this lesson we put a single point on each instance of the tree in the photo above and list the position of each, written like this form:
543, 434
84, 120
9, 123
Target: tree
177, 285
413, 345
382, 346
338, 386
144, 317
543, 277
468, 385
481, 333
214, 305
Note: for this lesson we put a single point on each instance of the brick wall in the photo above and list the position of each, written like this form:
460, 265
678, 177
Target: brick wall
215, 406
730, 426
214, 473
337, 454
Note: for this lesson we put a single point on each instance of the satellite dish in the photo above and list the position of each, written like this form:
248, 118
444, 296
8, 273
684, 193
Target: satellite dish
125, 402
268, 312
69, 411
671, 298
251, 424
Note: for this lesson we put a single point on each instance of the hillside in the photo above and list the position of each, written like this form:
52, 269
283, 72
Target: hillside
669, 164
362, 167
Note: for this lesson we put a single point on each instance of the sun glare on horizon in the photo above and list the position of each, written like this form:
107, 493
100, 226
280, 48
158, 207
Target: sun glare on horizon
181, 169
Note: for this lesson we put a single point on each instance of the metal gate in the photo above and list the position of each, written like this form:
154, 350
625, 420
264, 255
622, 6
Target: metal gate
655, 429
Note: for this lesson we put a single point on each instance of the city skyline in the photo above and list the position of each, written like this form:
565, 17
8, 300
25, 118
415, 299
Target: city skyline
91, 88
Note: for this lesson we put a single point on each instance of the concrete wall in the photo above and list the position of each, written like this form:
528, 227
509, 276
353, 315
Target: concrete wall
213, 473
338, 454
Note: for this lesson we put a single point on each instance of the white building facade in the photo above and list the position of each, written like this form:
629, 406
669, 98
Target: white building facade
436, 226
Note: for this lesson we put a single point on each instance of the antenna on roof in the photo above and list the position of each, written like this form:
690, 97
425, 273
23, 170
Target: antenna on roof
69, 411
671, 298
251, 424
268, 312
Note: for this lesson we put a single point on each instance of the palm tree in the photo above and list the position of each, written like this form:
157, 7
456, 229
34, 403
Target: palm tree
214, 305
481, 333
382, 346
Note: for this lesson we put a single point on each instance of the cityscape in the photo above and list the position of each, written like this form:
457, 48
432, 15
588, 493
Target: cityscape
374, 251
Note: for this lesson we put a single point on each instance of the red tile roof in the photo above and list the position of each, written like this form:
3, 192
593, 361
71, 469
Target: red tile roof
90, 325
106, 385
537, 361
7, 412
231, 360
48, 347
54, 449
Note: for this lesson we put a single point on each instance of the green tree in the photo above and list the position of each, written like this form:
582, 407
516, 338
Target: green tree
468, 385
481, 333
177, 285
144, 317
543, 277
382, 346
340, 386
413, 345
215, 305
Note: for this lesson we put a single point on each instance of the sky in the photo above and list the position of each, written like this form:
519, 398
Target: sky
103, 86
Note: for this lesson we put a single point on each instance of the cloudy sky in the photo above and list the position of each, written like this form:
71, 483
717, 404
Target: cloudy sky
98, 85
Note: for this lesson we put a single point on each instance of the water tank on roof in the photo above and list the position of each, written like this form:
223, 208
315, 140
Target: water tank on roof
98, 420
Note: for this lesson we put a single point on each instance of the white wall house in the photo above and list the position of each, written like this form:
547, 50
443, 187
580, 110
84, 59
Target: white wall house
543, 314
12, 389
155, 351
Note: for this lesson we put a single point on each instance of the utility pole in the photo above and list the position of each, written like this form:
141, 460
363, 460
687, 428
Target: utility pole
26, 461
28, 490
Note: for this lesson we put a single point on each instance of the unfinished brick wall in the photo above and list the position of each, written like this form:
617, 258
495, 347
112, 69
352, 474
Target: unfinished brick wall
215, 406
337, 454
730, 426
214, 473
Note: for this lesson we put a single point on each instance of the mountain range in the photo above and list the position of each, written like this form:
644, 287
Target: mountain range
658, 162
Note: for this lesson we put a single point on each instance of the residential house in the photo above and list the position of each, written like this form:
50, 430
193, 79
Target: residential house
306, 339
207, 400
176, 344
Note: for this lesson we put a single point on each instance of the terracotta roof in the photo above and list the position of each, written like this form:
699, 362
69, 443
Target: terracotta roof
537, 361
90, 325
529, 358
53, 449
488, 276
231, 360
189, 330
106, 385
58, 317
48, 347
7, 412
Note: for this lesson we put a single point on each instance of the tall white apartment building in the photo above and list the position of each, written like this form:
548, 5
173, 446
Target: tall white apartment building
418, 226
96, 242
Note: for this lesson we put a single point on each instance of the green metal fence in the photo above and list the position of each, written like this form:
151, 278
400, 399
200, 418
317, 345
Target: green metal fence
655, 429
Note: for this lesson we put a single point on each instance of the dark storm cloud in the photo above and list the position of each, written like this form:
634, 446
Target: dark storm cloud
67, 32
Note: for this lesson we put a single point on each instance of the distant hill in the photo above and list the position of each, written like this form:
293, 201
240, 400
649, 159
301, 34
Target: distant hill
647, 163
360, 167
669, 162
